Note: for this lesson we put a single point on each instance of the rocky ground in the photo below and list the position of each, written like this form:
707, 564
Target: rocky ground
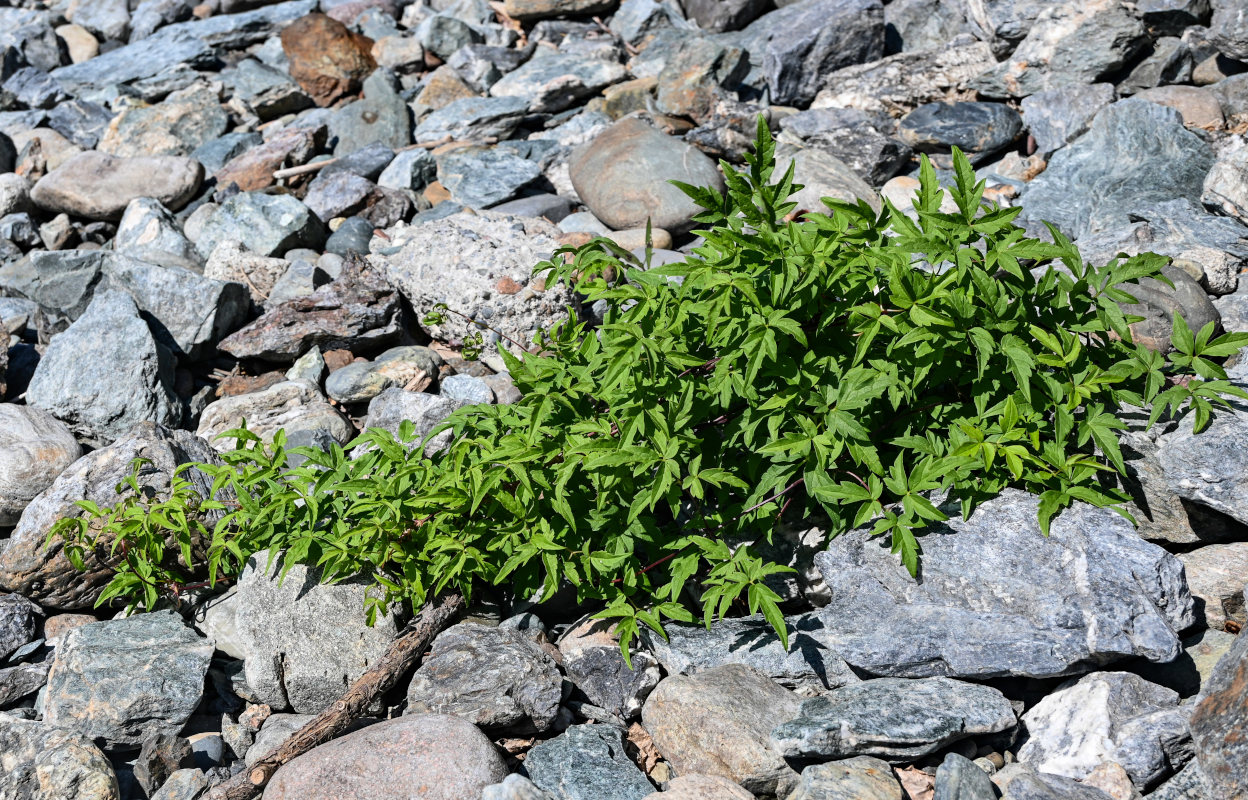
183, 192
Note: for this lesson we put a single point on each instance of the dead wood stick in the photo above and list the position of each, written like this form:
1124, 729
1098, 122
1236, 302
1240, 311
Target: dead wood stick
353, 703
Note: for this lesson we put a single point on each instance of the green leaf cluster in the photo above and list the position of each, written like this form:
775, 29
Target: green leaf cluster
843, 366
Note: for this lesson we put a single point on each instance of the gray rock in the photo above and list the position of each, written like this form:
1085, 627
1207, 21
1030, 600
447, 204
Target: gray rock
20, 230
1108, 716
1090, 592
308, 367
304, 640
105, 373
359, 311
912, 25
443, 34
823, 175
389, 409
557, 81
19, 621
108, 19
1169, 61
292, 406
1189, 784
124, 680
1136, 153
1025, 783
352, 236
430, 756
1232, 308
548, 206
807, 665
1057, 117
300, 279
466, 390
978, 129
623, 174
411, 169
361, 381
148, 232
859, 778
515, 787
177, 125
80, 121
638, 20
367, 162
480, 177
723, 15
1208, 468
480, 265
34, 448
14, 194
338, 194
1158, 304
474, 119
697, 76
1218, 722
99, 186
719, 721
853, 137
43, 573
1171, 17
45, 762
185, 784
215, 153
892, 718
33, 88
497, 679
594, 663
587, 762
801, 45
901, 82
265, 224
381, 116
1229, 28
1067, 46
160, 755
22, 680
1223, 188
268, 91
959, 778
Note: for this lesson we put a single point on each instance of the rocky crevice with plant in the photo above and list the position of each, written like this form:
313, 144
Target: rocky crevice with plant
832, 469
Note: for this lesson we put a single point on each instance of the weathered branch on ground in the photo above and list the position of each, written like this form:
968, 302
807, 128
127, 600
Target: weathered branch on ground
337, 719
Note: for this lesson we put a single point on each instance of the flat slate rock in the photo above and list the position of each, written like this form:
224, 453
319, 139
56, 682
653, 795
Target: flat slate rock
121, 681
1210, 468
894, 719
997, 598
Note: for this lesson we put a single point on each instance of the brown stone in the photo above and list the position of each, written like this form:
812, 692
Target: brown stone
1198, 106
436, 193
528, 10
254, 169
337, 359
99, 186
624, 98
444, 87
60, 624
326, 59
1220, 724
246, 384
507, 286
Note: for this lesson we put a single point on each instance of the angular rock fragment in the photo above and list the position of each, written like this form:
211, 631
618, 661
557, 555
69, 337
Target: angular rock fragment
34, 448
326, 58
41, 761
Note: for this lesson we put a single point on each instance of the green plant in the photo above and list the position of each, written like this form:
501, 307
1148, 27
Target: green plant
789, 368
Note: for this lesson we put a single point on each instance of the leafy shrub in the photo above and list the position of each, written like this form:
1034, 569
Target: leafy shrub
819, 367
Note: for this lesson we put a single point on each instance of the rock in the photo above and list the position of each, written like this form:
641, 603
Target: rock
1217, 724
160, 756
587, 762
33, 88
998, 580
497, 679
80, 121
1229, 28
533, 10
898, 83
99, 186
801, 45
380, 116
443, 34
124, 680
622, 176
359, 311
463, 260
853, 137
352, 236
1224, 185
718, 723
466, 390
108, 19
431, 756
1198, 107
808, 665
267, 91
22, 680
337, 194
361, 381
473, 119
1216, 575
694, 78
1067, 46
43, 573
912, 25
723, 15
174, 127
1191, 670
252, 168
230, 261
185, 784
551, 207
1159, 302
264, 224
34, 448
393, 406
978, 129
1168, 61
19, 622
82, 46
860, 778
148, 232
515, 787
1208, 468
410, 169
81, 381
593, 661
293, 406
14, 194
443, 87
480, 177
958, 778
639, 20
823, 175
892, 718
1135, 153
1020, 782
326, 58
555, 82
1189, 784
1107, 716
303, 640
45, 762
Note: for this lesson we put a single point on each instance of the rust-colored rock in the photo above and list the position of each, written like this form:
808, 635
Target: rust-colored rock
359, 311
253, 169
337, 359
326, 59
1220, 724
246, 384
